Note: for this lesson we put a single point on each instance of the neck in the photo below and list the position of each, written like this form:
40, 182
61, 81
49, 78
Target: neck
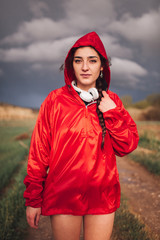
85, 88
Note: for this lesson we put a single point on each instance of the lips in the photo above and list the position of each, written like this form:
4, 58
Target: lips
85, 75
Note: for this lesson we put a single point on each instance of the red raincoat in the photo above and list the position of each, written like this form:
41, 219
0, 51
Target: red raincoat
68, 172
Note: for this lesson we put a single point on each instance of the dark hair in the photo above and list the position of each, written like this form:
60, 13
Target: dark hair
101, 85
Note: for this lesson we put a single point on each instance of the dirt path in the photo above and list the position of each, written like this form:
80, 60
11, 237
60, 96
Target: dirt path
44, 231
142, 190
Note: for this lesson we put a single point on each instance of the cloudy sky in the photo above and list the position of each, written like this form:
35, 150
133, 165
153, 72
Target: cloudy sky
36, 35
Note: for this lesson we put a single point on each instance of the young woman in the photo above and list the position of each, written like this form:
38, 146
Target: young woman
72, 172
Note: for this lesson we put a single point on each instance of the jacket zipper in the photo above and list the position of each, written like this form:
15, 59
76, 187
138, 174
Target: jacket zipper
86, 116
86, 110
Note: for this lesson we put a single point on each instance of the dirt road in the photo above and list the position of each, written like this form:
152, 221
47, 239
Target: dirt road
142, 190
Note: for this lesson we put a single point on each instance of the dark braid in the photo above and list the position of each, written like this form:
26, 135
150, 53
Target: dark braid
101, 85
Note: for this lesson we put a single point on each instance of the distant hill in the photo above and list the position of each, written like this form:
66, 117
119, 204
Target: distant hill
145, 110
8, 111
147, 114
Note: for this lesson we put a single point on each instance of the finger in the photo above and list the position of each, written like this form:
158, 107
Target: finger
31, 222
100, 108
104, 94
103, 100
37, 219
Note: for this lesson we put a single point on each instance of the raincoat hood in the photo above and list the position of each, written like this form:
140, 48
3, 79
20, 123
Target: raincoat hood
90, 39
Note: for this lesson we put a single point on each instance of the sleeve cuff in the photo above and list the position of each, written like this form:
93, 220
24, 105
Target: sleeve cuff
113, 117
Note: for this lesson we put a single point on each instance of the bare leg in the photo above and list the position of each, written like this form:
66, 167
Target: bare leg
66, 227
98, 227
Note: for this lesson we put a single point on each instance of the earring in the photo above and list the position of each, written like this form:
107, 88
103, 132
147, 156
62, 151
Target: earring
101, 74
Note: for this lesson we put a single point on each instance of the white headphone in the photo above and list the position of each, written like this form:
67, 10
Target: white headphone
87, 96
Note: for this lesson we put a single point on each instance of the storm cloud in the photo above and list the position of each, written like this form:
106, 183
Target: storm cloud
36, 45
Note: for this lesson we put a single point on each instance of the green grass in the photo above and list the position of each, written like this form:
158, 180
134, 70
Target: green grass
127, 226
12, 210
149, 142
150, 160
11, 152
12, 155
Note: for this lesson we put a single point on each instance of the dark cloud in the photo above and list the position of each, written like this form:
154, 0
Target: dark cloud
142, 30
38, 8
12, 13
36, 35
136, 8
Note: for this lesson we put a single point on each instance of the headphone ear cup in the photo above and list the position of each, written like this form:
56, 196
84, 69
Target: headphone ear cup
86, 96
94, 93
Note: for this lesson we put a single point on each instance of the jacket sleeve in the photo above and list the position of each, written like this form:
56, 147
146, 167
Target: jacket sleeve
38, 159
121, 127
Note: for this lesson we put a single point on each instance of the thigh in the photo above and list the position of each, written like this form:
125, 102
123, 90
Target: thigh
98, 227
66, 227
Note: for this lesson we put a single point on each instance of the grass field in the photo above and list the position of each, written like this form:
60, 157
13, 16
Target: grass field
14, 143
14, 146
148, 153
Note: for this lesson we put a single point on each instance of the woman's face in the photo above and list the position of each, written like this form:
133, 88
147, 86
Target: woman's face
87, 67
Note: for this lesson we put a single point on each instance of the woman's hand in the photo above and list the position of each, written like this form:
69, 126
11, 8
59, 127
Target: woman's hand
33, 216
106, 103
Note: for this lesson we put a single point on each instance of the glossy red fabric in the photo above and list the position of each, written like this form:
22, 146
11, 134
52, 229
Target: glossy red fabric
68, 172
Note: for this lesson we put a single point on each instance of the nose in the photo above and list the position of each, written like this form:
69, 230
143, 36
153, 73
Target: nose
85, 66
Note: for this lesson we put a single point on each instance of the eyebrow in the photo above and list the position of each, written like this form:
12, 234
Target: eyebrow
88, 57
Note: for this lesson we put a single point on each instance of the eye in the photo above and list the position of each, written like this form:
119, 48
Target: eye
93, 61
77, 60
